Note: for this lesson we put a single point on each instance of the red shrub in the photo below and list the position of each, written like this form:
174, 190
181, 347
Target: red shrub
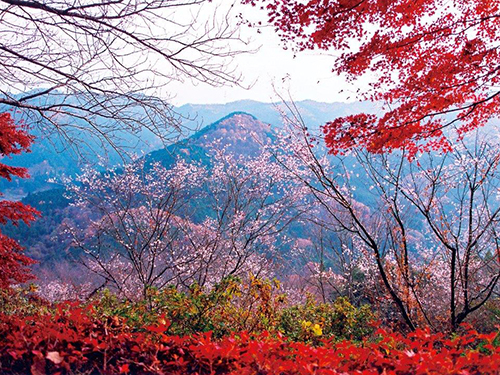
75, 341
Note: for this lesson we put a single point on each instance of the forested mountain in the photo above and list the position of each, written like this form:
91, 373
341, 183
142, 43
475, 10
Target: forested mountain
45, 241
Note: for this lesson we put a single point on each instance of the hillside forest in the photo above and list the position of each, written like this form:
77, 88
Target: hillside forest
287, 238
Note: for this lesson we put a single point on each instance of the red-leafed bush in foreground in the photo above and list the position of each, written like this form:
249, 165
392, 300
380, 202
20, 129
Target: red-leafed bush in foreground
74, 341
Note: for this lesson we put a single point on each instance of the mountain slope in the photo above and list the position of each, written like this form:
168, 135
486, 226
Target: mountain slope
241, 133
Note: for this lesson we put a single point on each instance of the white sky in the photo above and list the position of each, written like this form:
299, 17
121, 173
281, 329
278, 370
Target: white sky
307, 76
268, 71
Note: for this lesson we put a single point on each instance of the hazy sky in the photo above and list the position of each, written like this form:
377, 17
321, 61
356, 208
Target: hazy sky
307, 76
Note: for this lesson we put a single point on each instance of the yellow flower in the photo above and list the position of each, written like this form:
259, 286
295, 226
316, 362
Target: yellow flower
316, 329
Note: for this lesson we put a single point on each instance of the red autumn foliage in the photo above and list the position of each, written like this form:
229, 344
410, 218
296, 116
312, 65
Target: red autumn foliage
434, 63
13, 263
74, 340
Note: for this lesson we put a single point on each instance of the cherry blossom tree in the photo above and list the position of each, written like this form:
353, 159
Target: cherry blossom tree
335, 267
132, 242
252, 203
427, 228
145, 235
455, 195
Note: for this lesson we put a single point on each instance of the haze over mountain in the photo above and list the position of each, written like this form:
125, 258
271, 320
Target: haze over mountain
50, 160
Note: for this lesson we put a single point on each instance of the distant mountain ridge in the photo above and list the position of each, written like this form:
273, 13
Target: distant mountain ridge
47, 164
313, 113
